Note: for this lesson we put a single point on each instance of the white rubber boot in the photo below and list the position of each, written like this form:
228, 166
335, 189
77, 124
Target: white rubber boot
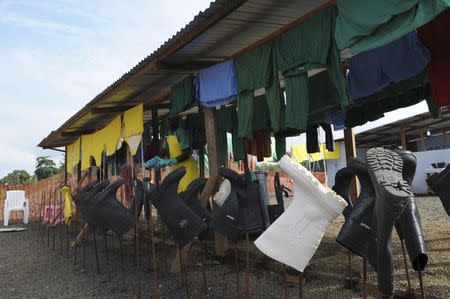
294, 237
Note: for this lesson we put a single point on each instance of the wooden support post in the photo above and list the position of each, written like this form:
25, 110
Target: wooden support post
445, 140
350, 151
213, 160
422, 141
155, 135
403, 138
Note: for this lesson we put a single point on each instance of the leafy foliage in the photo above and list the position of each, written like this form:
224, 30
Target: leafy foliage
45, 168
16, 177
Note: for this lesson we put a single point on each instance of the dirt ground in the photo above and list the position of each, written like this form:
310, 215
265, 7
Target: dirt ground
30, 267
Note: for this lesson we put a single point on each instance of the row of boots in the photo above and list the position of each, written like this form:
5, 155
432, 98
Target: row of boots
385, 202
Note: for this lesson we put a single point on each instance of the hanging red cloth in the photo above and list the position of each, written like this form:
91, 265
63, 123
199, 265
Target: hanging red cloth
436, 37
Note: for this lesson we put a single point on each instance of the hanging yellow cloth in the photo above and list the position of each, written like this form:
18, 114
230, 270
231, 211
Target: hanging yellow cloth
73, 155
86, 151
97, 146
111, 135
69, 159
190, 164
76, 152
300, 153
133, 126
65, 192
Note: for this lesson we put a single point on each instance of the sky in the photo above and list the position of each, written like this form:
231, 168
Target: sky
56, 56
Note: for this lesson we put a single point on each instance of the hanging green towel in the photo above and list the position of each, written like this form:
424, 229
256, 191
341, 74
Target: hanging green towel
397, 95
275, 100
183, 96
308, 46
366, 25
254, 69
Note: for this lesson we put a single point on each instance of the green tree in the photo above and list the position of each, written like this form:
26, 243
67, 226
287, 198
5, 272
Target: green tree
45, 168
16, 177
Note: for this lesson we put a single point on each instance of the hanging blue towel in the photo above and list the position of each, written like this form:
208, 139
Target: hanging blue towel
371, 71
336, 117
217, 84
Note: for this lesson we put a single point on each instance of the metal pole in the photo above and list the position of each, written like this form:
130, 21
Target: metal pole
202, 249
365, 278
247, 265
105, 239
422, 289
350, 274
96, 252
61, 224
49, 214
124, 273
155, 271
406, 266
300, 285
54, 219
236, 264
83, 256
183, 272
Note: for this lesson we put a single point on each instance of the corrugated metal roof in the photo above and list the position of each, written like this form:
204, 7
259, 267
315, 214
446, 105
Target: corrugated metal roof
220, 32
389, 134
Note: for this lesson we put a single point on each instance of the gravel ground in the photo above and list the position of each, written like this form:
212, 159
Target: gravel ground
31, 269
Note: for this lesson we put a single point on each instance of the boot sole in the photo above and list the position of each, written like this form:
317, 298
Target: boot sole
385, 169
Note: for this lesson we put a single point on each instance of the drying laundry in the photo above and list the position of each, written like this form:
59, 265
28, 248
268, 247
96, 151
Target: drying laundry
370, 72
435, 36
217, 85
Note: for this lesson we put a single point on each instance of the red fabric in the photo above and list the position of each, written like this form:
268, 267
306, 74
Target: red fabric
259, 146
127, 175
435, 36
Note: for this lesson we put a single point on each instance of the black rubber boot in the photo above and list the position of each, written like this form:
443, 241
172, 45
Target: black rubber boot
138, 200
408, 224
392, 193
226, 219
86, 195
111, 214
181, 221
276, 210
250, 214
342, 181
356, 231
440, 184
191, 198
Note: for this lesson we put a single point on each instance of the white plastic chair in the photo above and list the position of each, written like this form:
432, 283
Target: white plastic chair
15, 201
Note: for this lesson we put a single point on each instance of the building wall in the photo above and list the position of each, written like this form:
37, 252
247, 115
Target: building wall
433, 142
424, 160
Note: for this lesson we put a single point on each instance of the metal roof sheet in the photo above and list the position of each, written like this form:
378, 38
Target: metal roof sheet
222, 31
389, 134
